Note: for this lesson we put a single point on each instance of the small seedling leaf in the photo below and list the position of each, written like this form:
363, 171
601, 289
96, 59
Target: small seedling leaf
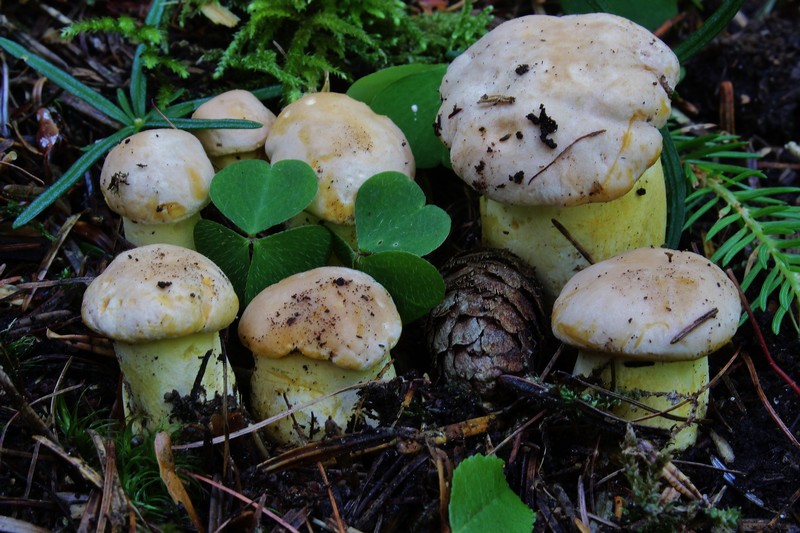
229, 250
256, 196
412, 102
415, 285
391, 215
481, 499
280, 255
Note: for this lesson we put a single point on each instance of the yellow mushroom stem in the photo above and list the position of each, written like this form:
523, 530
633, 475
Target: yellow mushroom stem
278, 384
551, 239
179, 233
659, 385
152, 369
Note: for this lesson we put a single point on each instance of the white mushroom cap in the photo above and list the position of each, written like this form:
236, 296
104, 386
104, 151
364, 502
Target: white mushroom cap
328, 313
345, 142
601, 78
235, 104
649, 304
157, 176
157, 292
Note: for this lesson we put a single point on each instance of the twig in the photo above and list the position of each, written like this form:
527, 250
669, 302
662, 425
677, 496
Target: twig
708, 315
244, 499
564, 151
572, 240
761, 342
754, 376
339, 523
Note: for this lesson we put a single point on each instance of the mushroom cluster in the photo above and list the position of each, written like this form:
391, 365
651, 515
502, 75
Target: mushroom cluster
313, 334
554, 120
645, 320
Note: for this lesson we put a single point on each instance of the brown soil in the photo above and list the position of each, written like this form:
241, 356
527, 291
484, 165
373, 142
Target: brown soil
563, 457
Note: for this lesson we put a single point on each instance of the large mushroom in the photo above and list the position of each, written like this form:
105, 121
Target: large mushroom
346, 143
226, 146
158, 181
554, 120
313, 334
646, 320
163, 306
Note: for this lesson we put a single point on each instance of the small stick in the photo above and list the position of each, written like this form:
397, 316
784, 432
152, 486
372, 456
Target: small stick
574, 242
565, 150
708, 315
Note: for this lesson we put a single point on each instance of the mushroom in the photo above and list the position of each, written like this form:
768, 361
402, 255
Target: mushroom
312, 334
163, 306
646, 320
226, 146
346, 143
158, 181
553, 120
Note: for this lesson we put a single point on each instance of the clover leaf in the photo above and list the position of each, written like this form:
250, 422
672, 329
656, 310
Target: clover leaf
391, 214
256, 196
481, 499
415, 284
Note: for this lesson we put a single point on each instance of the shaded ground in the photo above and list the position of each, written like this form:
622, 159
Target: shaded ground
562, 457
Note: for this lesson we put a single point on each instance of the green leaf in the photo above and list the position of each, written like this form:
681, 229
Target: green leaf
412, 102
676, 190
201, 123
229, 250
342, 250
709, 30
415, 285
481, 499
256, 196
280, 255
650, 14
65, 81
391, 214
367, 88
71, 176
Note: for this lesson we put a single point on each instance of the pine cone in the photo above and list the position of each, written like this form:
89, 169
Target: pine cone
492, 320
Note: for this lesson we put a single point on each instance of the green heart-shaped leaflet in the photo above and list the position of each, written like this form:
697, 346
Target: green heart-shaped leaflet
227, 249
280, 255
391, 215
255, 195
415, 285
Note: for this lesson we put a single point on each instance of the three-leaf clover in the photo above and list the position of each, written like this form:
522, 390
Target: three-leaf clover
257, 196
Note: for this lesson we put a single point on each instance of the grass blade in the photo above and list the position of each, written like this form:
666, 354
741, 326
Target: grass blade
709, 30
676, 190
65, 81
71, 176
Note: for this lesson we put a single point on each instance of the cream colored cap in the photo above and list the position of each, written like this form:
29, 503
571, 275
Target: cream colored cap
159, 291
236, 104
157, 176
651, 304
557, 111
329, 313
345, 142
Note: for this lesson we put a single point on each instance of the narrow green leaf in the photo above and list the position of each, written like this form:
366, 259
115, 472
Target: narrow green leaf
722, 223
650, 14
391, 214
731, 242
65, 81
256, 196
156, 121
186, 107
709, 30
481, 499
138, 79
676, 190
746, 240
699, 212
415, 285
229, 250
280, 255
71, 176
125, 104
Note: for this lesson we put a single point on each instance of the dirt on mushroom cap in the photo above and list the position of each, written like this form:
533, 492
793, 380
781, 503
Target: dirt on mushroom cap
557, 110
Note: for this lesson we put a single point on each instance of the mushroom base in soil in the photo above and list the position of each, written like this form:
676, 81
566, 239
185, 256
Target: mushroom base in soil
278, 384
645, 320
183, 360
599, 230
